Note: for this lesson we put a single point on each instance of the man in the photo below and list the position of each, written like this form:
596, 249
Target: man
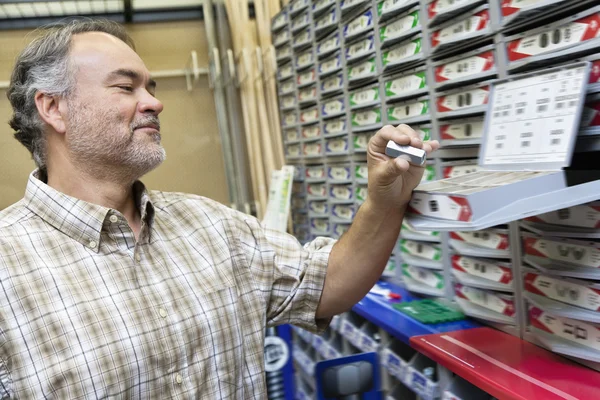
110, 290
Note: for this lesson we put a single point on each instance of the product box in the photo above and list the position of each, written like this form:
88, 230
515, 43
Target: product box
366, 119
391, 268
362, 71
341, 193
339, 173
361, 24
361, 173
307, 95
361, 141
407, 25
484, 243
403, 55
300, 21
315, 173
484, 304
330, 65
428, 173
285, 71
415, 253
306, 77
309, 132
475, 24
453, 169
312, 149
349, 5
309, 116
582, 216
319, 226
482, 273
343, 212
408, 84
332, 84
299, 173
468, 100
562, 256
317, 191
279, 21
520, 158
415, 278
333, 107
328, 45
288, 102
361, 194
302, 38
283, 54
321, 5
326, 21
389, 8
409, 232
291, 135
318, 208
339, 228
297, 6
335, 126
580, 32
282, 37
466, 68
360, 48
293, 150
515, 12
290, 118
364, 97
442, 10
338, 145
305, 59
287, 86
461, 132
584, 294
409, 112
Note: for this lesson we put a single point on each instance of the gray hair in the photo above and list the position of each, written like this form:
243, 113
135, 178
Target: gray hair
43, 66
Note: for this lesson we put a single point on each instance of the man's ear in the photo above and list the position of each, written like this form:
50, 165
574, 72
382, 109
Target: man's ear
50, 109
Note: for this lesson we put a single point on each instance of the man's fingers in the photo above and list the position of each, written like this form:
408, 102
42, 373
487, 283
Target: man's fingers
402, 135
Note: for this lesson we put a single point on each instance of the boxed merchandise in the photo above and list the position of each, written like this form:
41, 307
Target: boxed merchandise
328, 45
301, 21
312, 149
361, 173
408, 84
287, 86
517, 11
421, 254
285, 71
327, 21
311, 131
297, 6
466, 68
409, 112
287, 102
360, 48
332, 84
405, 26
484, 243
303, 38
336, 126
306, 77
452, 169
474, 25
389, 8
337, 145
290, 118
315, 173
309, 115
482, 273
321, 5
361, 141
487, 305
282, 37
330, 65
403, 55
307, 95
462, 130
333, 107
339, 228
319, 226
364, 97
283, 54
463, 101
362, 23
581, 216
339, 173
442, 10
414, 277
318, 208
409, 232
362, 71
279, 21
428, 174
424, 132
293, 150
291, 135
361, 193
341, 193
316, 190
584, 294
349, 5
343, 212
305, 59
366, 119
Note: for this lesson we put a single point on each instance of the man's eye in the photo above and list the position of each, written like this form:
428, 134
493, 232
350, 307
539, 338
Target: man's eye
126, 88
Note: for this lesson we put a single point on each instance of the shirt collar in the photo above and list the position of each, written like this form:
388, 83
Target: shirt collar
78, 219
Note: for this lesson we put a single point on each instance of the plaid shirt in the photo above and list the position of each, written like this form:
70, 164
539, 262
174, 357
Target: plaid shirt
86, 312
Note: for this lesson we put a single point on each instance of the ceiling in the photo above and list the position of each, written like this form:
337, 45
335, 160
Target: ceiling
20, 14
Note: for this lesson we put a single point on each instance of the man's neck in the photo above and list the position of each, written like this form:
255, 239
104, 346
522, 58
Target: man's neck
98, 190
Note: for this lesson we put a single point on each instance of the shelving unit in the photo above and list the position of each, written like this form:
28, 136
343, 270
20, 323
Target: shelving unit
429, 64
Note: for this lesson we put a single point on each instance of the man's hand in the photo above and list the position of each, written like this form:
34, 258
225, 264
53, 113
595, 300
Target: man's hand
392, 180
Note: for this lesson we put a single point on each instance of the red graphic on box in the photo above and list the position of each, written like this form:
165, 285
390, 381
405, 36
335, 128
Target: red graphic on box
465, 208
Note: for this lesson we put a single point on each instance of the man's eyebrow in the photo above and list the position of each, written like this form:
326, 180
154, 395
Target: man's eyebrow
129, 73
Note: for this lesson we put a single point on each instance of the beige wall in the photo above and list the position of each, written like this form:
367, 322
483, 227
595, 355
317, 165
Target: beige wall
190, 135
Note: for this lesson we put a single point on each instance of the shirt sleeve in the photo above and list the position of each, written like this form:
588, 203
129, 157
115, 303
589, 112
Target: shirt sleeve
290, 275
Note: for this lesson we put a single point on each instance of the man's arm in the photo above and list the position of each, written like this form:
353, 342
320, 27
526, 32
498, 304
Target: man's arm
358, 259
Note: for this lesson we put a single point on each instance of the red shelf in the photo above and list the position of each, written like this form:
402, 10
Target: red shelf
509, 368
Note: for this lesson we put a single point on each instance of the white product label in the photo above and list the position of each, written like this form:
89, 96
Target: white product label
305, 59
584, 216
460, 170
563, 251
312, 149
402, 52
361, 171
406, 84
284, 52
339, 173
408, 110
420, 249
482, 269
328, 45
460, 29
332, 83
315, 172
565, 291
293, 150
360, 48
335, 126
330, 65
291, 135
290, 119
359, 24
288, 101
363, 118
337, 145
551, 40
309, 115
364, 96
326, 20
316, 189
362, 70
576, 331
341, 192
503, 305
457, 101
343, 211
397, 28
307, 94
309, 132
333, 107
427, 277
286, 72
467, 130
287, 86
465, 67
439, 6
318, 207
306, 77
487, 239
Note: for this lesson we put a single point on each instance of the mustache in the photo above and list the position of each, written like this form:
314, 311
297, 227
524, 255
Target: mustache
145, 121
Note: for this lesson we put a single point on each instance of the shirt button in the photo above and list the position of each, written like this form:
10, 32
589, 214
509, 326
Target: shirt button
93, 244
162, 312
178, 378
114, 219
138, 257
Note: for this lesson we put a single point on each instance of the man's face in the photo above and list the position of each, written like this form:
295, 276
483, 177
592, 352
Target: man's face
112, 124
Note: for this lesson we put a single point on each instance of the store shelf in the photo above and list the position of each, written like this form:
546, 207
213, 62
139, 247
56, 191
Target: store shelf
507, 367
380, 311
